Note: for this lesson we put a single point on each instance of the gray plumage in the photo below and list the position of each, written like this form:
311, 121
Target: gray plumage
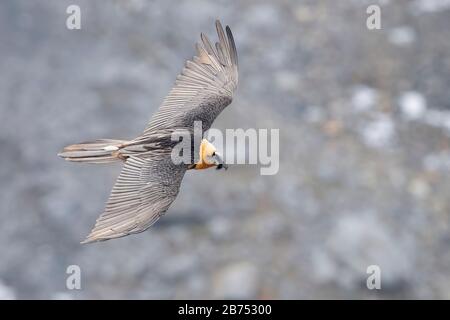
149, 181
145, 189
204, 87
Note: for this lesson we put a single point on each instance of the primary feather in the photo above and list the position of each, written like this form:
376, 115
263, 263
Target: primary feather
203, 89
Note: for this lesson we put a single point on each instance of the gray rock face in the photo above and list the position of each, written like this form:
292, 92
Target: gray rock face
364, 119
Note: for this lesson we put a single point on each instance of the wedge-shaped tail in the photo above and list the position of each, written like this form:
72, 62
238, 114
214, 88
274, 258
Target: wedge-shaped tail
98, 151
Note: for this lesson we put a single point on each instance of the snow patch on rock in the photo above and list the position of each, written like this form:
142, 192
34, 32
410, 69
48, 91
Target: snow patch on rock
402, 36
413, 105
364, 98
6, 292
379, 133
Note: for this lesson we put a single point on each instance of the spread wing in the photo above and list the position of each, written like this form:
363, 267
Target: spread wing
145, 189
204, 87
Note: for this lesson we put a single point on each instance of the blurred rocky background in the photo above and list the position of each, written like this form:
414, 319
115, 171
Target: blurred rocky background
364, 119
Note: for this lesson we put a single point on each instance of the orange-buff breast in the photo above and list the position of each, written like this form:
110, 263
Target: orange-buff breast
204, 148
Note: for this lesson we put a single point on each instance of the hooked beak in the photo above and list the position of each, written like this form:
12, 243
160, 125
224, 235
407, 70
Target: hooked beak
219, 162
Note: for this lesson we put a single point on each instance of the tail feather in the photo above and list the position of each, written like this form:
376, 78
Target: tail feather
98, 151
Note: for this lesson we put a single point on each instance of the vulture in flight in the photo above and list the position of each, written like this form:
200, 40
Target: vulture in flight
150, 180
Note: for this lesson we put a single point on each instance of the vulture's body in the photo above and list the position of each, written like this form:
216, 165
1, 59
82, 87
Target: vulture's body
150, 180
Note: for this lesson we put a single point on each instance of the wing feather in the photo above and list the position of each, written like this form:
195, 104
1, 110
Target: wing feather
203, 88
143, 192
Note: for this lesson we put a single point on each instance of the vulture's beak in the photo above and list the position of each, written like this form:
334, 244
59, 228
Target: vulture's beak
219, 162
